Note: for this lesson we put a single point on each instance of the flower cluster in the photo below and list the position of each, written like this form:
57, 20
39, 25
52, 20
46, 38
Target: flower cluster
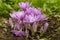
27, 19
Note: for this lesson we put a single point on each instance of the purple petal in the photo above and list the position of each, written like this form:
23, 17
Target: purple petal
15, 32
46, 26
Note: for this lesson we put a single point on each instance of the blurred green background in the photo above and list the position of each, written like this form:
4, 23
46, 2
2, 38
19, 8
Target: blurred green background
48, 7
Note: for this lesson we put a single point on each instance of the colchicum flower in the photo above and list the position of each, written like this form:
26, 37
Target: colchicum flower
17, 15
18, 33
24, 5
27, 19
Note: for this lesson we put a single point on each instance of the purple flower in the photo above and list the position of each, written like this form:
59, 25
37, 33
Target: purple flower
29, 19
33, 15
17, 15
24, 5
30, 10
33, 10
37, 11
33, 18
18, 33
